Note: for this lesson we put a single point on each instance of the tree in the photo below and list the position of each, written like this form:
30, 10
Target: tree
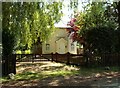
113, 13
40, 22
94, 17
31, 20
118, 31
8, 34
97, 25
27, 23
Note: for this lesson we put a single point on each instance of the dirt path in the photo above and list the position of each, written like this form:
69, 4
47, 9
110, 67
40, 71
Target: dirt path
97, 80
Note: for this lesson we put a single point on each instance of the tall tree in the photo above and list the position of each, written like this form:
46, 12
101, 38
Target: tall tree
97, 15
31, 21
27, 23
118, 31
118, 8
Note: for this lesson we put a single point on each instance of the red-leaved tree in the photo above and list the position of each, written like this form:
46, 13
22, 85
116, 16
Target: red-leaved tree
73, 32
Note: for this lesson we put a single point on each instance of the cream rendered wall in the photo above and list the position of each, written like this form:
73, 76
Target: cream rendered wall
50, 41
57, 37
62, 46
73, 51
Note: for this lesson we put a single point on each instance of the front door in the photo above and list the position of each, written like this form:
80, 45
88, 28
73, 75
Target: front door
61, 46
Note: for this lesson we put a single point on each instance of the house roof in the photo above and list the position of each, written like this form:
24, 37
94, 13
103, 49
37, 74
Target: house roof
61, 26
60, 38
64, 27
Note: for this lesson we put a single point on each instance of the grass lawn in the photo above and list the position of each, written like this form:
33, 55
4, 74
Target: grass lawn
42, 70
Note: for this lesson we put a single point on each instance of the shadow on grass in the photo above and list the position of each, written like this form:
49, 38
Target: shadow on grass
42, 75
89, 71
24, 64
58, 74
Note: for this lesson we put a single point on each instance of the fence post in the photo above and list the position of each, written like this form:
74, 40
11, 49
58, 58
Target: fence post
33, 58
9, 65
52, 56
68, 58
86, 56
104, 59
21, 57
14, 63
56, 55
4, 66
118, 60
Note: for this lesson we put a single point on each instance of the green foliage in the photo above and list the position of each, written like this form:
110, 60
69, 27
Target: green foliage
101, 40
98, 25
25, 24
94, 15
29, 22
117, 32
26, 52
38, 22
18, 52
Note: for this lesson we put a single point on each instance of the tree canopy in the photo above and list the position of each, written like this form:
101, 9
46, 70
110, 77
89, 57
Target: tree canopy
97, 24
28, 22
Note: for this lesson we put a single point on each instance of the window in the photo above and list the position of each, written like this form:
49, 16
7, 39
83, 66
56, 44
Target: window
47, 46
72, 47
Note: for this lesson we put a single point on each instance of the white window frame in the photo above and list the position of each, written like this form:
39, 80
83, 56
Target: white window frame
47, 47
72, 46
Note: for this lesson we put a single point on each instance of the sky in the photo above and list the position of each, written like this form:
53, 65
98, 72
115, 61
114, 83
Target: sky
67, 13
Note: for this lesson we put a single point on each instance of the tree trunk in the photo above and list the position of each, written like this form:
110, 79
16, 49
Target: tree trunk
8, 65
118, 7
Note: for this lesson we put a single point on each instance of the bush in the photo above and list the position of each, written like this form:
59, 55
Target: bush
25, 52
100, 40
18, 52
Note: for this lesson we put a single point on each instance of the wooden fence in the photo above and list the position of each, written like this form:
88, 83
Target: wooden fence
63, 58
105, 59
32, 57
110, 59
9, 63
76, 59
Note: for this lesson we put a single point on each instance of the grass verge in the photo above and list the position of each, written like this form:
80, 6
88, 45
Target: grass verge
61, 70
